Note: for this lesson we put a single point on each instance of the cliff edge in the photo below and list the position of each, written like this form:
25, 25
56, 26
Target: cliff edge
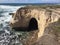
43, 19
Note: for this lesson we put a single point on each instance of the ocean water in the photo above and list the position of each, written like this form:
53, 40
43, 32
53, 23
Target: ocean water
7, 37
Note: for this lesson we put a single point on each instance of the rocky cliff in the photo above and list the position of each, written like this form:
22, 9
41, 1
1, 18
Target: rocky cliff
47, 19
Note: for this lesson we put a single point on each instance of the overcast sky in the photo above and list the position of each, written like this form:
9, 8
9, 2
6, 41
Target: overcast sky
29, 1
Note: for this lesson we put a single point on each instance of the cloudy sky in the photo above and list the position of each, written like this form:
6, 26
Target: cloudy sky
29, 1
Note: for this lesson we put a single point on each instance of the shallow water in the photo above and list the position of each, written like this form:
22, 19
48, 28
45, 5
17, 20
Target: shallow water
7, 37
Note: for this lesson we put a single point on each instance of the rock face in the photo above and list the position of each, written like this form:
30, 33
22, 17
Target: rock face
41, 17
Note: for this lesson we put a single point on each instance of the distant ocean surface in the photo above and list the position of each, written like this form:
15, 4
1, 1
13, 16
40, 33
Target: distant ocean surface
18, 4
5, 34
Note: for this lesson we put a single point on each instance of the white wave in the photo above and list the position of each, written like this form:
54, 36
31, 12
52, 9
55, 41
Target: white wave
10, 8
6, 9
7, 6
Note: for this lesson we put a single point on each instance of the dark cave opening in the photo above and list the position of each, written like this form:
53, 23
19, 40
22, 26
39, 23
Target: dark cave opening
33, 25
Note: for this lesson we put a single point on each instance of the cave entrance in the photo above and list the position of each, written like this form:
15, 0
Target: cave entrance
33, 25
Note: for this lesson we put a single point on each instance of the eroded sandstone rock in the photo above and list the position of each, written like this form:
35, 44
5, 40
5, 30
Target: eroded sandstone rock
43, 16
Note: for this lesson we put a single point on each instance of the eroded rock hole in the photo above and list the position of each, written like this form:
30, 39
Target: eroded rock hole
33, 25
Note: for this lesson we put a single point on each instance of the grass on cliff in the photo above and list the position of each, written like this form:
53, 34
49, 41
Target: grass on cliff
56, 26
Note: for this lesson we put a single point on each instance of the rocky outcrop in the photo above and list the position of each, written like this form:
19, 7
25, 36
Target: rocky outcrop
43, 16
